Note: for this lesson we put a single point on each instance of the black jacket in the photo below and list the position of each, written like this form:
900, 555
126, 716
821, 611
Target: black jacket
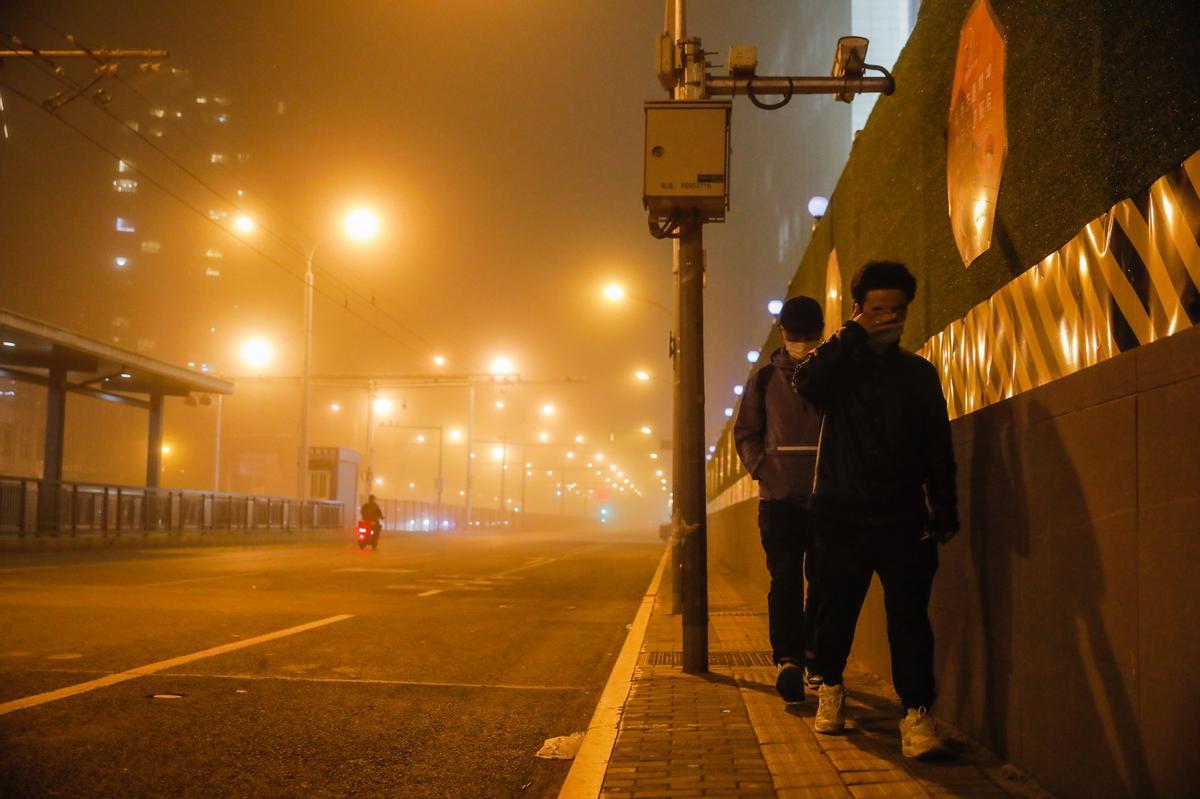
776, 432
885, 455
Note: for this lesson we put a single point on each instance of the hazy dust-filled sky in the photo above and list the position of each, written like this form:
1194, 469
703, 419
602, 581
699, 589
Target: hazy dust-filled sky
500, 143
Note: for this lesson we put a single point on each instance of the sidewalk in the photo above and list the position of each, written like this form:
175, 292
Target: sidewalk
729, 734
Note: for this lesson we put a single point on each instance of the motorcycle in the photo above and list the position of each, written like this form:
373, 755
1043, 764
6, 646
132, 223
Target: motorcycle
368, 533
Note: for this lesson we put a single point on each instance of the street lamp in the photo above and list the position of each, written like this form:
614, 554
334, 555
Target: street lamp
361, 225
244, 224
257, 353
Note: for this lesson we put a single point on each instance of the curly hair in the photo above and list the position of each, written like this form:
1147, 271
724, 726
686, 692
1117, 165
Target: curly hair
883, 275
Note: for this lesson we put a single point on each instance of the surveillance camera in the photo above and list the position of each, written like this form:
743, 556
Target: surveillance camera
848, 62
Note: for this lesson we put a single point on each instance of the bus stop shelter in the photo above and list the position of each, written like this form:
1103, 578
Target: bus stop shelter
66, 362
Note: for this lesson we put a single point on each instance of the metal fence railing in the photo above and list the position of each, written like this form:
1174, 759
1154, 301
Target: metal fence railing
32, 506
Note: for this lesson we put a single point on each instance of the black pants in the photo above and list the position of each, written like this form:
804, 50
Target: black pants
787, 538
847, 556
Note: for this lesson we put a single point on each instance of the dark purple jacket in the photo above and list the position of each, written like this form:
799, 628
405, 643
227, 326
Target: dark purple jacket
776, 432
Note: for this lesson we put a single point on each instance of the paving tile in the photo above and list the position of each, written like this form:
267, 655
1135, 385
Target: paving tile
819, 792
895, 790
729, 735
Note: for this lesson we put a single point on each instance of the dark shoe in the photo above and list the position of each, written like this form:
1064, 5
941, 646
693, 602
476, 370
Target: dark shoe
813, 681
790, 682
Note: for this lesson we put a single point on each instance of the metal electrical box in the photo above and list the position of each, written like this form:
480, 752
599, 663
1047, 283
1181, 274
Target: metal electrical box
687, 158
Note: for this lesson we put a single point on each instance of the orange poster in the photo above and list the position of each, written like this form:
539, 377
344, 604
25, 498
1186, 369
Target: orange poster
977, 139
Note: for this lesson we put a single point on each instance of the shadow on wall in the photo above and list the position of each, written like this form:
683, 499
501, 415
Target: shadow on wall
1049, 574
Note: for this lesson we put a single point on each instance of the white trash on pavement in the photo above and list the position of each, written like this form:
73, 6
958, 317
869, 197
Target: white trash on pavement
563, 747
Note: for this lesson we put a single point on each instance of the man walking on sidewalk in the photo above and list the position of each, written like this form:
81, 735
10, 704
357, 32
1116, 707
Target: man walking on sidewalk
884, 495
776, 436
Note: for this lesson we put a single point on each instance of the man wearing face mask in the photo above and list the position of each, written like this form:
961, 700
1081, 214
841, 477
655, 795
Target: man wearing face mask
884, 495
776, 437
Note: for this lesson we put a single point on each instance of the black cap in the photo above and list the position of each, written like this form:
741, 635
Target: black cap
802, 317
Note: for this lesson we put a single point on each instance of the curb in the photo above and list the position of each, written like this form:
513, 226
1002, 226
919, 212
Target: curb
586, 777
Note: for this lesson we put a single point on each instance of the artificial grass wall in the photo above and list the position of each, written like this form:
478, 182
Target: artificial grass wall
1101, 98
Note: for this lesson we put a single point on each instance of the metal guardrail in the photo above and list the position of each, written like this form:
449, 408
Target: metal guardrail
32, 506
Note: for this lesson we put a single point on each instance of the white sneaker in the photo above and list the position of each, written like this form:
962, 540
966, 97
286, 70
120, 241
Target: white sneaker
918, 736
831, 709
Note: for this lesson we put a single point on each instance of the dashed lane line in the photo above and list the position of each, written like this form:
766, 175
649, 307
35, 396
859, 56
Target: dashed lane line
193, 580
431, 592
372, 681
152, 668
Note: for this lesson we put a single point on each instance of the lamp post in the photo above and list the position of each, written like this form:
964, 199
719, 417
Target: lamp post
360, 225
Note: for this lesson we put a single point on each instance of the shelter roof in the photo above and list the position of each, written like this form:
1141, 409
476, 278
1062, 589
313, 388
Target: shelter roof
29, 349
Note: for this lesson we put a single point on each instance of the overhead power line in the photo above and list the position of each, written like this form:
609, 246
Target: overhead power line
199, 212
36, 56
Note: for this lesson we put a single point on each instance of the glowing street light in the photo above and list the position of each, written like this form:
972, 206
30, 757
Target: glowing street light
361, 224
547, 410
335, 407
384, 405
502, 365
244, 224
455, 434
257, 353
614, 292
646, 430
439, 360
774, 307
543, 436
752, 356
642, 375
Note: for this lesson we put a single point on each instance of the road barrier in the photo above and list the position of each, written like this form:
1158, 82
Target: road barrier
29, 506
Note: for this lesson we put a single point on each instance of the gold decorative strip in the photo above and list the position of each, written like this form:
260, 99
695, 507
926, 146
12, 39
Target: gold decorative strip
1125, 271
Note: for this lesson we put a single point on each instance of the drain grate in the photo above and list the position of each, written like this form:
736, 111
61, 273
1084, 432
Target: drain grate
735, 658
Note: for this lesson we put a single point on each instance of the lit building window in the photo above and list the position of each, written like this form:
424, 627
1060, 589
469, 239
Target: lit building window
217, 158
221, 118
219, 100
120, 262
158, 112
124, 225
201, 100
125, 185
157, 133
151, 246
123, 166
134, 126
215, 215
213, 252
243, 157
210, 272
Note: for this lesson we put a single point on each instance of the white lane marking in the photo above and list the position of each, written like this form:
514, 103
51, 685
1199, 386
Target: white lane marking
354, 569
370, 681
190, 580
151, 668
432, 592
591, 762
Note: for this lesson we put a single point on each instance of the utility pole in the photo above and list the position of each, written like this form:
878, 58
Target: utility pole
470, 455
686, 185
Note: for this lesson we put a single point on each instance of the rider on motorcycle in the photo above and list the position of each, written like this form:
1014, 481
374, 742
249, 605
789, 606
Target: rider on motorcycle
371, 512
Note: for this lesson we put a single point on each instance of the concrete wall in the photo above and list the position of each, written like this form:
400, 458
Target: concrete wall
1067, 635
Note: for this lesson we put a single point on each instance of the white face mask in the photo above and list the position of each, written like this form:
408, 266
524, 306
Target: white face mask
882, 340
796, 350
